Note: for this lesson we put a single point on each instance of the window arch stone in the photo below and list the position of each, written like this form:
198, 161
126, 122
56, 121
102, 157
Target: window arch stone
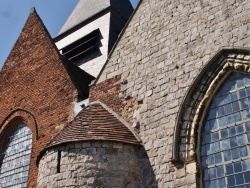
11, 123
197, 100
14, 118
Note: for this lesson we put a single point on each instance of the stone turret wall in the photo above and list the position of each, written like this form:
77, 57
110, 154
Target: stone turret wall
90, 164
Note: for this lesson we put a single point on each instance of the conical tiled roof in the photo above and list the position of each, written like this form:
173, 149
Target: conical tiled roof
96, 122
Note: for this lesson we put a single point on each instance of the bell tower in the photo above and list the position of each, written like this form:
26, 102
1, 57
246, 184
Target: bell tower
90, 32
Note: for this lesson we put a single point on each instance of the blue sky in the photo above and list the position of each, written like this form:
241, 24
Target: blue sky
13, 14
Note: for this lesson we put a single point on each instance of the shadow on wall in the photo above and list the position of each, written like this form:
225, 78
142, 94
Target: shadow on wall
86, 48
148, 178
96, 53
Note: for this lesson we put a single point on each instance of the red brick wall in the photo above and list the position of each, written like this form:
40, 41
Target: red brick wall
108, 92
35, 89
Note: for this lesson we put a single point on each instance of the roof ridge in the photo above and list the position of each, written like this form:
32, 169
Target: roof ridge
115, 128
118, 117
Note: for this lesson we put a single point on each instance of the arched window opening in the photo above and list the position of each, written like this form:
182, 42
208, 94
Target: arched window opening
15, 159
225, 135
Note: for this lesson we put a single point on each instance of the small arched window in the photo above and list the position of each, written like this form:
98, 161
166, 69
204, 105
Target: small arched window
15, 159
225, 135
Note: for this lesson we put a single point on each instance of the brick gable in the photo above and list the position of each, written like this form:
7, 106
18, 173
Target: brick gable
35, 80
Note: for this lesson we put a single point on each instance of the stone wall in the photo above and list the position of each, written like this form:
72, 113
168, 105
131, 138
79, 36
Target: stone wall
159, 55
91, 164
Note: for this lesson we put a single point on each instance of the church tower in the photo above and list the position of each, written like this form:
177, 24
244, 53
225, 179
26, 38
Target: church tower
90, 32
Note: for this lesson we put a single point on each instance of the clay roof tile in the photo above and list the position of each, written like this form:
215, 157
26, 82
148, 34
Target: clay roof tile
96, 122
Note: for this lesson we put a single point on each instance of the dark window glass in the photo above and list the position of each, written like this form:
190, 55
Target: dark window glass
231, 181
232, 131
234, 96
213, 124
221, 182
246, 177
246, 165
248, 91
239, 129
224, 148
233, 141
221, 111
241, 140
217, 158
242, 93
229, 169
16, 158
235, 106
237, 167
243, 151
224, 133
239, 179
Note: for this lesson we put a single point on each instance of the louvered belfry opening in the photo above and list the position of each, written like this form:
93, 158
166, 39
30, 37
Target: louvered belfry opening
83, 47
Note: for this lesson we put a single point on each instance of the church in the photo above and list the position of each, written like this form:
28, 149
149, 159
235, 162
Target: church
145, 98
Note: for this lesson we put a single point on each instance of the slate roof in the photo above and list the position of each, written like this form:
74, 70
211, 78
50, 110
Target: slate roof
86, 9
96, 122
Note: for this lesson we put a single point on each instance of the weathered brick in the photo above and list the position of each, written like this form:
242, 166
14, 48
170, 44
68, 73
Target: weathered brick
36, 90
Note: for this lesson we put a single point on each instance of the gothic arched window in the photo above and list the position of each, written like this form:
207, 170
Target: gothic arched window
225, 135
15, 159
